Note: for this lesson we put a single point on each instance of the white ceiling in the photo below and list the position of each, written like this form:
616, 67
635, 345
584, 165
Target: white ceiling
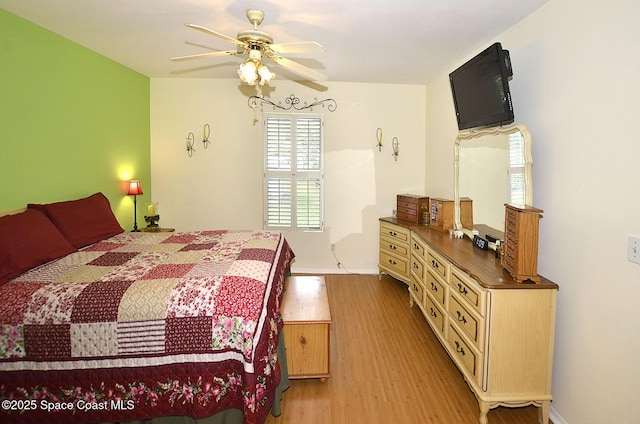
374, 41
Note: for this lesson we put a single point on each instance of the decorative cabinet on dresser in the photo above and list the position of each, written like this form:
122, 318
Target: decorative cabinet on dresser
394, 250
412, 208
521, 242
498, 332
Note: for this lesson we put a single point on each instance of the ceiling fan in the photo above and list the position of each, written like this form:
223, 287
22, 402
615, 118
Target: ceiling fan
257, 45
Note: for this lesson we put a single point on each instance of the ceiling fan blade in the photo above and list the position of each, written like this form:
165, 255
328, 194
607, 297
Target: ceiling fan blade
299, 69
299, 47
217, 34
203, 55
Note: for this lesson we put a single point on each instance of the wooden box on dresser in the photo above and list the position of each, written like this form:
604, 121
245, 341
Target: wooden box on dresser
499, 333
412, 208
521, 242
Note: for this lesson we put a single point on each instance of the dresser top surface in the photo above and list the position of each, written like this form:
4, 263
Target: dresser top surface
481, 265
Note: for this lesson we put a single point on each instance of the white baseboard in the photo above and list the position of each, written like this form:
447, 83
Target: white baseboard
555, 417
295, 270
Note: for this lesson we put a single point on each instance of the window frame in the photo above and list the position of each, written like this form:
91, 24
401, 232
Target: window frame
293, 175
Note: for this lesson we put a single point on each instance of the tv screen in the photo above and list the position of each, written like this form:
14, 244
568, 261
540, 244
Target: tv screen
480, 89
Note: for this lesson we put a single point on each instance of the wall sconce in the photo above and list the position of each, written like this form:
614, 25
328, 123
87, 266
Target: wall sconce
190, 140
134, 190
396, 148
205, 135
379, 139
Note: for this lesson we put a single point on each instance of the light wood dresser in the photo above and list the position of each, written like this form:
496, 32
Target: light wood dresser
499, 332
307, 320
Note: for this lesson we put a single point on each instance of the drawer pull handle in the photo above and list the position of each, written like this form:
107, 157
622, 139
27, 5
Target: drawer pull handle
434, 287
393, 233
433, 313
415, 266
461, 317
435, 264
392, 262
392, 247
459, 349
462, 289
415, 246
415, 288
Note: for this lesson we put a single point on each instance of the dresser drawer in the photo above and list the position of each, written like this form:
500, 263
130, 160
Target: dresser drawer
394, 232
470, 359
393, 246
417, 267
416, 289
468, 290
400, 265
434, 314
437, 264
418, 248
469, 322
436, 289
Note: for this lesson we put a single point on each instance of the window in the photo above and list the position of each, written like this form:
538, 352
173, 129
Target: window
516, 168
293, 172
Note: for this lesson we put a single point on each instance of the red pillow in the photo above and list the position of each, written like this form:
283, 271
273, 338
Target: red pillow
28, 239
83, 221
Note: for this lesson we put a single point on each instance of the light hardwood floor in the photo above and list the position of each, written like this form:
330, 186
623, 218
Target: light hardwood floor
387, 366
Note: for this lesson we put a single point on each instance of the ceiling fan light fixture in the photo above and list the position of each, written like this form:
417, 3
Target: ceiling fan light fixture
257, 44
248, 72
265, 74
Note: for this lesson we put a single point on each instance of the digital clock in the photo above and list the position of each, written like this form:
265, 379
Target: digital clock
480, 242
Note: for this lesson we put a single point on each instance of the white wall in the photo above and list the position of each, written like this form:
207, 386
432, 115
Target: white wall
576, 86
221, 187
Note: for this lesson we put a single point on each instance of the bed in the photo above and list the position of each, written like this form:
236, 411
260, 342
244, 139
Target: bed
102, 325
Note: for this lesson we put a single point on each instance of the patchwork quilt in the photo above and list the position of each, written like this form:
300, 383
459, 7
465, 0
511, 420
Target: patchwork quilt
143, 325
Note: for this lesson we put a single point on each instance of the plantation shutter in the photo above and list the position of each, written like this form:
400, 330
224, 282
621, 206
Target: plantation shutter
516, 168
293, 174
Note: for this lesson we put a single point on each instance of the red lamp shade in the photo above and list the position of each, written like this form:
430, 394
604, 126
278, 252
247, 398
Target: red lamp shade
134, 187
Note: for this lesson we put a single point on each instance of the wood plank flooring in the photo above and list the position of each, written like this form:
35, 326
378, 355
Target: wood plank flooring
387, 366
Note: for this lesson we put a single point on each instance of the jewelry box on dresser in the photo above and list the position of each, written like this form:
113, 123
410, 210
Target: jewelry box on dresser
520, 253
499, 332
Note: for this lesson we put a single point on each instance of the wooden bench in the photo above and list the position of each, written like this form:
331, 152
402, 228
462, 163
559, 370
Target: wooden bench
307, 319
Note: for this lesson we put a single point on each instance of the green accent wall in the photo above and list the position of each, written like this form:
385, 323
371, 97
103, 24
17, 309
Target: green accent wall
72, 122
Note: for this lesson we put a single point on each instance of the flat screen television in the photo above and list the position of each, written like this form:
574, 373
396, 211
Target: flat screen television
480, 89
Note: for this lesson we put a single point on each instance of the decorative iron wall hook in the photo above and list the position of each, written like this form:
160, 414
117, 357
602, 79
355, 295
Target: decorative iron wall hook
292, 102
189, 143
205, 135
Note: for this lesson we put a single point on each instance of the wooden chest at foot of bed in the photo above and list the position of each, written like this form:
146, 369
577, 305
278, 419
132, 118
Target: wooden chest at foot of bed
307, 320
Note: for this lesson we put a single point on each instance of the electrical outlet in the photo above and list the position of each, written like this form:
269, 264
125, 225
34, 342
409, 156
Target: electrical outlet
333, 247
633, 252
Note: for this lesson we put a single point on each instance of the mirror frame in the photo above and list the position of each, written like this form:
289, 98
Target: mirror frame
463, 136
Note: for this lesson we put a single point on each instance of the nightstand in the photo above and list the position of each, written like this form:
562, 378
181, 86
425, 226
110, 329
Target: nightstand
157, 230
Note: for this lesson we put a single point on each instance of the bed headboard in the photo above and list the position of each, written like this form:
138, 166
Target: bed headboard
12, 211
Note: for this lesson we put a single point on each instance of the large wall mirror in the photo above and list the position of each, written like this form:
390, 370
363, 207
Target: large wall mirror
492, 167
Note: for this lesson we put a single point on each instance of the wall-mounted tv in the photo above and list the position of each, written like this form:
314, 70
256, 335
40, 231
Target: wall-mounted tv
480, 89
